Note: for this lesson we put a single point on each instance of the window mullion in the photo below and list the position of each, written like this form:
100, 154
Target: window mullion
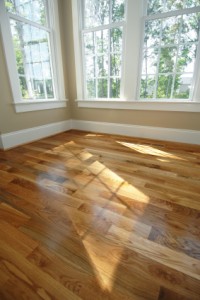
26, 21
103, 27
164, 15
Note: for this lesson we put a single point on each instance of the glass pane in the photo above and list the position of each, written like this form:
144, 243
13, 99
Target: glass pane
186, 58
46, 70
173, 5
96, 12
157, 6
102, 66
116, 39
33, 10
91, 88
170, 30
23, 87
118, 10
102, 88
147, 86
89, 43
114, 88
35, 51
154, 6
192, 3
37, 70
190, 28
39, 88
115, 65
182, 86
152, 33
150, 58
49, 88
167, 59
32, 56
90, 66
164, 86
102, 41
19, 56
44, 51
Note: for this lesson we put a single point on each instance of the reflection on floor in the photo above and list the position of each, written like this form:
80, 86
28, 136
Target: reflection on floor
93, 216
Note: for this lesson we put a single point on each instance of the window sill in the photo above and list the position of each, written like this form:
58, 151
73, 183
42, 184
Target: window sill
31, 105
140, 105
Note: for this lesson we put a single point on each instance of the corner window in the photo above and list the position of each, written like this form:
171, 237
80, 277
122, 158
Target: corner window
170, 49
30, 47
102, 47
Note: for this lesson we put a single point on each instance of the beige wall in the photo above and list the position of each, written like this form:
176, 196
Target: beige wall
12, 121
182, 120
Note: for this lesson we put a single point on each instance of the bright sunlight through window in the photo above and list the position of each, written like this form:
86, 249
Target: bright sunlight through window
170, 49
102, 37
31, 41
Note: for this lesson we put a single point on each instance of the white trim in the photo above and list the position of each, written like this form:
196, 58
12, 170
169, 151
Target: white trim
56, 50
158, 133
9, 53
77, 48
20, 137
39, 105
140, 105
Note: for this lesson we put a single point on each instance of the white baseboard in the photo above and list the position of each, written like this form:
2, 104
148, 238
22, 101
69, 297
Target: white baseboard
16, 138
157, 133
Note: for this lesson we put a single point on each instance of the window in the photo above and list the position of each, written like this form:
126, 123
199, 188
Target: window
170, 49
102, 44
158, 50
28, 35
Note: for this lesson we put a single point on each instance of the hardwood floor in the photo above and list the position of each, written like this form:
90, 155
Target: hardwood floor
93, 216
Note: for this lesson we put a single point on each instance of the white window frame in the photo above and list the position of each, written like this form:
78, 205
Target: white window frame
133, 34
23, 105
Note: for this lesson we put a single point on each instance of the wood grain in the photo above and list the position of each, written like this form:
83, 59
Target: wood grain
95, 216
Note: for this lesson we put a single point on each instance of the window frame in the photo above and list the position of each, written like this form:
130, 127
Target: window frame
52, 27
132, 65
196, 72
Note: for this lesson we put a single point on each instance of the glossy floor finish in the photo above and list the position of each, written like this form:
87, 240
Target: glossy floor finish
93, 216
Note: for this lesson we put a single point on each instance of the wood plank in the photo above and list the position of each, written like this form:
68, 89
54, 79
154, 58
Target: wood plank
88, 215
22, 268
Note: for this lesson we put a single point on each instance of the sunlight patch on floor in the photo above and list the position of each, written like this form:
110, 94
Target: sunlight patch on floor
93, 135
133, 193
103, 268
144, 149
105, 258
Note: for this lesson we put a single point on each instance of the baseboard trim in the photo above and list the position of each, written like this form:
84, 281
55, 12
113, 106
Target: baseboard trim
157, 133
20, 137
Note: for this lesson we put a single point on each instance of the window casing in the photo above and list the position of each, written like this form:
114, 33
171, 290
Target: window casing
102, 47
31, 40
170, 50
